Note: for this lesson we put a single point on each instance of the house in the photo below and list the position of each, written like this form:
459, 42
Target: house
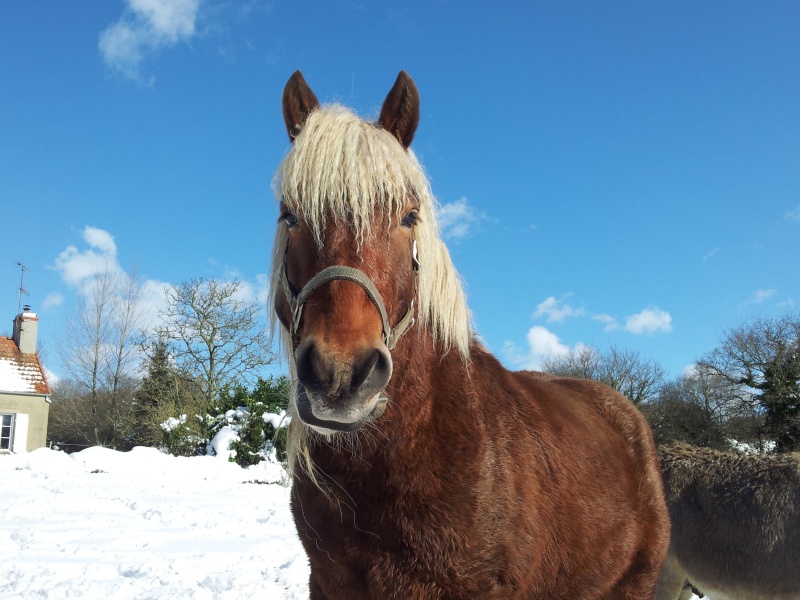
24, 391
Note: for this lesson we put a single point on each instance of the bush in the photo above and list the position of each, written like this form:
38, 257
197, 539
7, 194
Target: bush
253, 415
178, 437
259, 436
676, 420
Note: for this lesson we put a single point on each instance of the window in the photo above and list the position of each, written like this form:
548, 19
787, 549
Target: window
6, 432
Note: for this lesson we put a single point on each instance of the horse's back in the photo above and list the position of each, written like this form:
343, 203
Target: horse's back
595, 412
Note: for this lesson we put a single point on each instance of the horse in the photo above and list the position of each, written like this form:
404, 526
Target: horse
422, 468
735, 524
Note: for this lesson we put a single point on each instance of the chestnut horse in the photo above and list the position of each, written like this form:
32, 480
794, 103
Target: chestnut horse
421, 467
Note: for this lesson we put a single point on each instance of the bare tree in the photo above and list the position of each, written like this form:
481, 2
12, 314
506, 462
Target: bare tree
582, 362
761, 361
714, 394
98, 354
216, 337
71, 422
699, 407
626, 371
86, 340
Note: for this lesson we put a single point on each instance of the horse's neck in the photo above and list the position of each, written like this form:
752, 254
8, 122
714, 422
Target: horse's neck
426, 378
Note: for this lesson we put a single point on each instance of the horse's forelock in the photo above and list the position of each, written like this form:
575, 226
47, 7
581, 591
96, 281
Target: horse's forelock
345, 168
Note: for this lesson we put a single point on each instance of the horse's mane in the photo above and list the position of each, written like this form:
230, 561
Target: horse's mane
343, 166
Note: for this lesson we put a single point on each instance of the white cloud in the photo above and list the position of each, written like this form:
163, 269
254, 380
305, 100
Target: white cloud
690, 370
146, 27
100, 239
793, 215
556, 310
78, 269
52, 299
52, 378
456, 219
542, 343
710, 254
77, 266
258, 291
611, 322
760, 295
255, 291
650, 320
153, 301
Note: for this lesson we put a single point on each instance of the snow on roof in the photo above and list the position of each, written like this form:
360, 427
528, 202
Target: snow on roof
20, 373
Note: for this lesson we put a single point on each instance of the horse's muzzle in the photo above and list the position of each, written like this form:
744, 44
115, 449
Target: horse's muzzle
340, 393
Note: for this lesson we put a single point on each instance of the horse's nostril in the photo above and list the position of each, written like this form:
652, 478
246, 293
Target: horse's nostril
309, 366
363, 369
375, 372
362, 378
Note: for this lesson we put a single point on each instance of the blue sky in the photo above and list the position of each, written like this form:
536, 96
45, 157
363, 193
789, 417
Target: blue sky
610, 173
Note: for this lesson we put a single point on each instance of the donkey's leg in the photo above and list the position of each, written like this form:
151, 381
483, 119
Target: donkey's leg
688, 592
672, 580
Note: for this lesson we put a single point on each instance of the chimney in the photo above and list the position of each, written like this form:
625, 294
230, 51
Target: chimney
26, 326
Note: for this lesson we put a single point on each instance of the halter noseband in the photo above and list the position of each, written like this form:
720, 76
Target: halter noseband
297, 301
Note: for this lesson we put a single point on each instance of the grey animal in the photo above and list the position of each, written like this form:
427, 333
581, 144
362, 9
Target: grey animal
735, 525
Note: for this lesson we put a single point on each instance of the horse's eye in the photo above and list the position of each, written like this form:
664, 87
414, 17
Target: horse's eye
289, 218
410, 219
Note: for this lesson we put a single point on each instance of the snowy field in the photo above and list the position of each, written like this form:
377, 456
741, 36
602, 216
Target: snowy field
101, 524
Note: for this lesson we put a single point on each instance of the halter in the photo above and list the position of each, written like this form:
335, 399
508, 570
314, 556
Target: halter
298, 300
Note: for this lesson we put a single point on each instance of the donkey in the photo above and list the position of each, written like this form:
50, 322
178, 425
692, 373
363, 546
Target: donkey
423, 469
735, 524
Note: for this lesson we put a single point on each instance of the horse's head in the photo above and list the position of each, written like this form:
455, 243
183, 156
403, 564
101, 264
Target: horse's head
345, 253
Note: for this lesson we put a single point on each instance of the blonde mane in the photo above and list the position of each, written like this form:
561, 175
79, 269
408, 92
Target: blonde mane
347, 168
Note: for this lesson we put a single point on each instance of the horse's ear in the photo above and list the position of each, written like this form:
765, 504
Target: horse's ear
298, 101
400, 112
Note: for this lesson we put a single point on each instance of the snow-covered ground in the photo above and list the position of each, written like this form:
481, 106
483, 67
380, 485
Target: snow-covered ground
101, 525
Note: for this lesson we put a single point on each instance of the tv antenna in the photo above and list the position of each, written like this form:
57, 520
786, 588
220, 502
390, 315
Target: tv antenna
22, 290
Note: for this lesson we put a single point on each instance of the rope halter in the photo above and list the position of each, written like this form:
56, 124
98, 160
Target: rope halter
338, 272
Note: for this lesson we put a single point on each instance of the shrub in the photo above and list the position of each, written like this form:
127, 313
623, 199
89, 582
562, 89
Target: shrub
255, 415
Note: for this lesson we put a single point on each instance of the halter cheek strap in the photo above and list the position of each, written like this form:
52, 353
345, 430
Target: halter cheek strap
297, 301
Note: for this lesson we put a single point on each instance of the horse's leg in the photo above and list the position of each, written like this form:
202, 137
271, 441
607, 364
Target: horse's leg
672, 581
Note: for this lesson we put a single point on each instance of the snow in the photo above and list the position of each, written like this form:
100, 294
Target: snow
172, 423
19, 378
146, 525
277, 420
222, 441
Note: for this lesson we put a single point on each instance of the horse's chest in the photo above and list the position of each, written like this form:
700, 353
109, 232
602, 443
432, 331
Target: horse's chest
399, 549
